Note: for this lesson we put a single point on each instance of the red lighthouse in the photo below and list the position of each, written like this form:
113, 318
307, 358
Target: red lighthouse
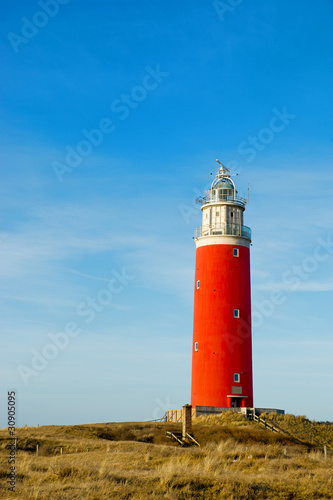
222, 347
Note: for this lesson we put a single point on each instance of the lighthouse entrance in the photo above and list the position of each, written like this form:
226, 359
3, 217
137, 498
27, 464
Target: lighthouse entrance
236, 402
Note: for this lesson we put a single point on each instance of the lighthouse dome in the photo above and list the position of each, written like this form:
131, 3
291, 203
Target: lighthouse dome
222, 184
223, 189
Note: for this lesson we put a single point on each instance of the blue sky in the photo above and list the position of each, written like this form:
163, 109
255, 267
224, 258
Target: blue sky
112, 117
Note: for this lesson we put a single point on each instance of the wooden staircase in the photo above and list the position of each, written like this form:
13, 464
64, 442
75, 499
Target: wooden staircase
186, 440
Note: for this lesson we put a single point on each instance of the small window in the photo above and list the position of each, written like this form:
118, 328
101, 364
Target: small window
236, 377
195, 346
236, 313
235, 252
231, 214
198, 284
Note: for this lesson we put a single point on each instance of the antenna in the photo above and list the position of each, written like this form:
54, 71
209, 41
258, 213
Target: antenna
223, 168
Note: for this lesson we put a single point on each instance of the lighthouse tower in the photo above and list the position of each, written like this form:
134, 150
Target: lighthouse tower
222, 347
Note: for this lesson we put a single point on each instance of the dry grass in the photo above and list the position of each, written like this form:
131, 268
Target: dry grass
237, 460
314, 433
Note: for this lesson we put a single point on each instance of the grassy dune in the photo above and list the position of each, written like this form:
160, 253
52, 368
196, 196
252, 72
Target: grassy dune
237, 460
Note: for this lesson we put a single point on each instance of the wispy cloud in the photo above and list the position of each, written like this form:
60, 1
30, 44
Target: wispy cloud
309, 343
53, 234
304, 286
87, 275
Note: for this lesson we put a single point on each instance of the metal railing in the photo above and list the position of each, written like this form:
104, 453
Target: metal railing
223, 230
208, 197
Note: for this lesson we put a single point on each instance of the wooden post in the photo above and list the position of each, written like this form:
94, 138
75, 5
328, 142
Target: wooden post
325, 452
15, 443
187, 421
36, 450
60, 451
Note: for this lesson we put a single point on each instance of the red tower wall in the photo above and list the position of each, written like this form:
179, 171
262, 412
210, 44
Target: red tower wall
224, 342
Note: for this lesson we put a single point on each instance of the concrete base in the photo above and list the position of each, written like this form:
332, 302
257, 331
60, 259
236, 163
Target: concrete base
211, 410
177, 415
